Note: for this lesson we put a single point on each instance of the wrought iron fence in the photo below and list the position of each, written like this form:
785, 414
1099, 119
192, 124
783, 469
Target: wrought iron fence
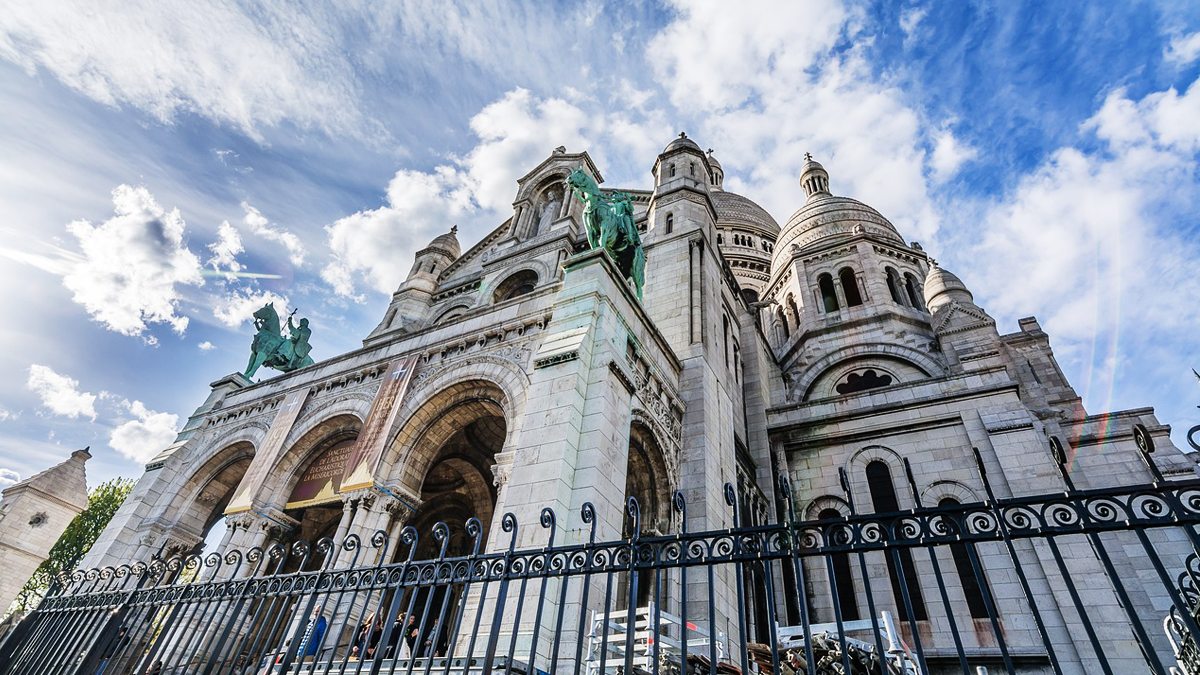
1077, 581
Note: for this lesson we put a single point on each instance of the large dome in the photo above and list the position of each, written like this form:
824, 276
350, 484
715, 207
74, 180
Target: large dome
826, 217
735, 209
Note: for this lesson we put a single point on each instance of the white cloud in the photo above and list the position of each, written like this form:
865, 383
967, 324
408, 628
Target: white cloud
949, 154
206, 346
60, 394
238, 307
226, 249
6, 414
251, 69
1094, 234
378, 244
515, 133
259, 225
144, 436
715, 55
910, 21
768, 86
131, 264
1183, 49
8, 477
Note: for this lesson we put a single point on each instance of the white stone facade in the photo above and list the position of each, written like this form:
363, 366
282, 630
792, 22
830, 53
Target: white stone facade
521, 374
33, 515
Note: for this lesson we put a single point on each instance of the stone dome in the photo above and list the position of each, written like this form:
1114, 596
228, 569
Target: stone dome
683, 142
826, 217
941, 287
448, 242
735, 209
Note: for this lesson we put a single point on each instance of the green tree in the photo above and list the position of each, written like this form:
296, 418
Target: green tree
81, 533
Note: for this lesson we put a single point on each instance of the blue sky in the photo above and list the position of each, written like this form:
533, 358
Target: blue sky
166, 166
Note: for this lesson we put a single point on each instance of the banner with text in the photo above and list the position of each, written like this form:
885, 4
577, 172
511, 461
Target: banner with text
369, 448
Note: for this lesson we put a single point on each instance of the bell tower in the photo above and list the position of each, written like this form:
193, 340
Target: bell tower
411, 300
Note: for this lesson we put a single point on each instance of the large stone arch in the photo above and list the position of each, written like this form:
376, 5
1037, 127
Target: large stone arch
310, 440
199, 499
449, 454
649, 477
431, 423
506, 376
802, 385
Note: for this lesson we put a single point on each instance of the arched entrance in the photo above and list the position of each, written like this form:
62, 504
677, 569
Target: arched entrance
459, 482
447, 452
200, 519
646, 479
313, 497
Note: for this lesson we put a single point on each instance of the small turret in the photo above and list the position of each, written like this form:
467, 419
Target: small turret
942, 288
410, 301
682, 162
814, 178
716, 174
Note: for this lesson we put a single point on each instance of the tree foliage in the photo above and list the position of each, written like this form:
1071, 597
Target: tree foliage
76, 540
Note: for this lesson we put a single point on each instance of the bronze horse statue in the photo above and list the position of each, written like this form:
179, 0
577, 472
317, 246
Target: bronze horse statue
608, 222
272, 348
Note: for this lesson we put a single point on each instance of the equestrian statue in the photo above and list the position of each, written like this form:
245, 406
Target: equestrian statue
608, 221
272, 348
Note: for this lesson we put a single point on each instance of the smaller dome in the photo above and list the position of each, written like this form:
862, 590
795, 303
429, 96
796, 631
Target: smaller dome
448, 242
712, 160
682, 143
942, 287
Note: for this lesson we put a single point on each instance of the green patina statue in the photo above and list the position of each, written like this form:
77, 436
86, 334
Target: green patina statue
608, 220
272, 348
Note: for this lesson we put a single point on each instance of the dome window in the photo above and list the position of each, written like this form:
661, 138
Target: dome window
850, 287
671, 171
828, 292
671, 225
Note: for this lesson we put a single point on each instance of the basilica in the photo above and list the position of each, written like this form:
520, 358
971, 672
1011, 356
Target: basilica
530, 370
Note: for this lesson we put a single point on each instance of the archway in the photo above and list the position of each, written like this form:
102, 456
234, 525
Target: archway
200, 502
459, 483
312, 497
646, 479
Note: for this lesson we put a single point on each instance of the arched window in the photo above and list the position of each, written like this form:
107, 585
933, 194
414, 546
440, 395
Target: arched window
883, 498
972, 588
795, 313
850, 287
671, 224
843, 578
672, 171
828, 294
914, 290
451, 314
893, 282
521, 283
787, 333
691, 168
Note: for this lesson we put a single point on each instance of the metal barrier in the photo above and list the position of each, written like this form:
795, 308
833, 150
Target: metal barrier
1023, 584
